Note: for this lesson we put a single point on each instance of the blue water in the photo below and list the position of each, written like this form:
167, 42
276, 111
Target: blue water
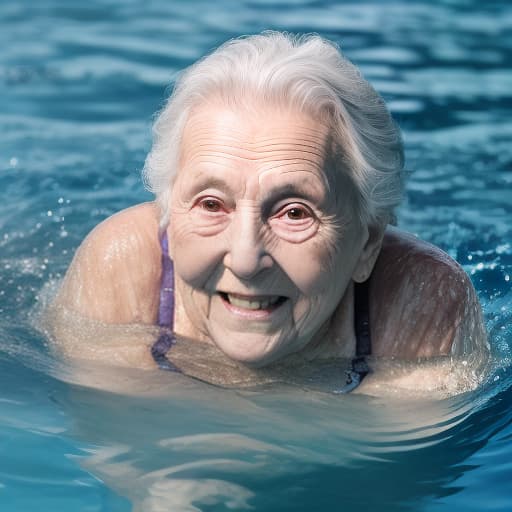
79, 83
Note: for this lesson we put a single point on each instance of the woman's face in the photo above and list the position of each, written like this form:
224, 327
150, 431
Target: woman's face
261, 236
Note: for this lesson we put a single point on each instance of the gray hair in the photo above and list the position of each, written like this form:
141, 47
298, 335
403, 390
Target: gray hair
304, 72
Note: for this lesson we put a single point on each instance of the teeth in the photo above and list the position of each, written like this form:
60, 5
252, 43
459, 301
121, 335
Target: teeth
252, 304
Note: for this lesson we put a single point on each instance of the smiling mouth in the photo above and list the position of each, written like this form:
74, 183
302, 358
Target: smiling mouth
269, 302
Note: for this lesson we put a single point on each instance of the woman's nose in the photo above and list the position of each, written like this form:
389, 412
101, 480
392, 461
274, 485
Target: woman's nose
246, 255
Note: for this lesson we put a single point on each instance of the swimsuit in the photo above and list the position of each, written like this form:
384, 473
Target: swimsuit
358, 367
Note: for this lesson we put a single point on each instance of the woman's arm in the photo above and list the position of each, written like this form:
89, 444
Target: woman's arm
114, 276
423, 303
112, 281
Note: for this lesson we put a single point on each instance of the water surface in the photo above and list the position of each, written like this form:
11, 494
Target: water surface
79, 84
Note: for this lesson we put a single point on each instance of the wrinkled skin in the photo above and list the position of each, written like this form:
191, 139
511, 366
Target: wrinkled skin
257, 217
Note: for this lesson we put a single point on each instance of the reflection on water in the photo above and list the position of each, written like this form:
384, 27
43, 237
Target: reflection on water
279, 450
79, 84
173, 443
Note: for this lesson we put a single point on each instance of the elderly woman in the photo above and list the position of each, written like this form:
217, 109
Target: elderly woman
276, 168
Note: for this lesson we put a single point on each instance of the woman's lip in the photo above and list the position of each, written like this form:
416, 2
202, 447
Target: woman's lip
256, 306
250, 297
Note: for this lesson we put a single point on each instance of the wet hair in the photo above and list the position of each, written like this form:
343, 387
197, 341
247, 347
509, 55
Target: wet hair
306, 73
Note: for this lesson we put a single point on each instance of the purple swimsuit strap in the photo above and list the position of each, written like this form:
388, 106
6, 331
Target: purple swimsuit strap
165, 311
166, 307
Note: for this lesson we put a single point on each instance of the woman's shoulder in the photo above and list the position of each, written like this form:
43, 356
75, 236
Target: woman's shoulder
116, 270
140, 220
128, 235
129, 238
422, 303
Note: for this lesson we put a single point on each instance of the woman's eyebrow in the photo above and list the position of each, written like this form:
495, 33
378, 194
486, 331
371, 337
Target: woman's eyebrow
205, 182
294, 190
303, 189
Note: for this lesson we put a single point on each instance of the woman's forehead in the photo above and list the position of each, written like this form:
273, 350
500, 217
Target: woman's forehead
254, 132
288, 149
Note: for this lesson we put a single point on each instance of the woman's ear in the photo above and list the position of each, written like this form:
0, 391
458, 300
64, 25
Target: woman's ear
369, 253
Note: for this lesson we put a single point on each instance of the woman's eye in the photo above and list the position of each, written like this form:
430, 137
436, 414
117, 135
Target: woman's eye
297, 213
295, 222
211, 205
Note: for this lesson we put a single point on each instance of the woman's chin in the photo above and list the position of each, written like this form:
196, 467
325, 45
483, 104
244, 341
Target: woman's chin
248, 356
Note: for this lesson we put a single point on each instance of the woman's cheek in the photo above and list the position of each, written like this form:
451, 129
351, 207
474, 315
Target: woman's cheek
195, 256
304, 263
301, 265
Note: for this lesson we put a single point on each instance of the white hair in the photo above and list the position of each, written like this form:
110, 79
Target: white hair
307, 73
